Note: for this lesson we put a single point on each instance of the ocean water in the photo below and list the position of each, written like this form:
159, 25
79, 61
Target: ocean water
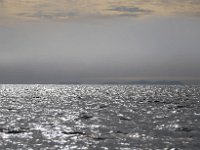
121, 117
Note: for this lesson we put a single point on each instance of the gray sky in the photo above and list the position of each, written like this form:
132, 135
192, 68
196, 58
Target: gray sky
122, 41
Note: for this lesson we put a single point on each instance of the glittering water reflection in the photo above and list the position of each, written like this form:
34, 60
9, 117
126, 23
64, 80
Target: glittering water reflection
99, 117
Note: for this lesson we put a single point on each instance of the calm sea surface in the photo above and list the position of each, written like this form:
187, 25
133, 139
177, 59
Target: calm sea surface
123, 117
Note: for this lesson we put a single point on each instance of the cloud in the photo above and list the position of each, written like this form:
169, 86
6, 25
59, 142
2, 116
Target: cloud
60, 14
51, 15
19, 11
128, 9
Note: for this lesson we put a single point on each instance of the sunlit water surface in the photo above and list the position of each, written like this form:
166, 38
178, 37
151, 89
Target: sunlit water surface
103, 117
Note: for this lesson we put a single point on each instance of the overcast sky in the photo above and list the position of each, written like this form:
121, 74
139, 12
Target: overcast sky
72, 41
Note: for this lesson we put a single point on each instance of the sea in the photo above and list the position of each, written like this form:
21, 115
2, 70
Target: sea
99, 117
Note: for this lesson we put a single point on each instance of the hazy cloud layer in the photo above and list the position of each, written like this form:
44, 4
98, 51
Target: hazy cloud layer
12, 11
162, 48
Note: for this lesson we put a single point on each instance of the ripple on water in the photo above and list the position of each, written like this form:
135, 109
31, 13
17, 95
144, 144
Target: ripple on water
99, 117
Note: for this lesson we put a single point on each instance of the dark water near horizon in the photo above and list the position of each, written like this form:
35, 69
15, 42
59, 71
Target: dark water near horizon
122, 117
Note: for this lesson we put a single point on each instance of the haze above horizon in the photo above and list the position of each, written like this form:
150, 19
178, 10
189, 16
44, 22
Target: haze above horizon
107, 40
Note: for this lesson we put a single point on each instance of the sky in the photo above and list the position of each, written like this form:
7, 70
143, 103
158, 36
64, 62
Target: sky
48, 41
